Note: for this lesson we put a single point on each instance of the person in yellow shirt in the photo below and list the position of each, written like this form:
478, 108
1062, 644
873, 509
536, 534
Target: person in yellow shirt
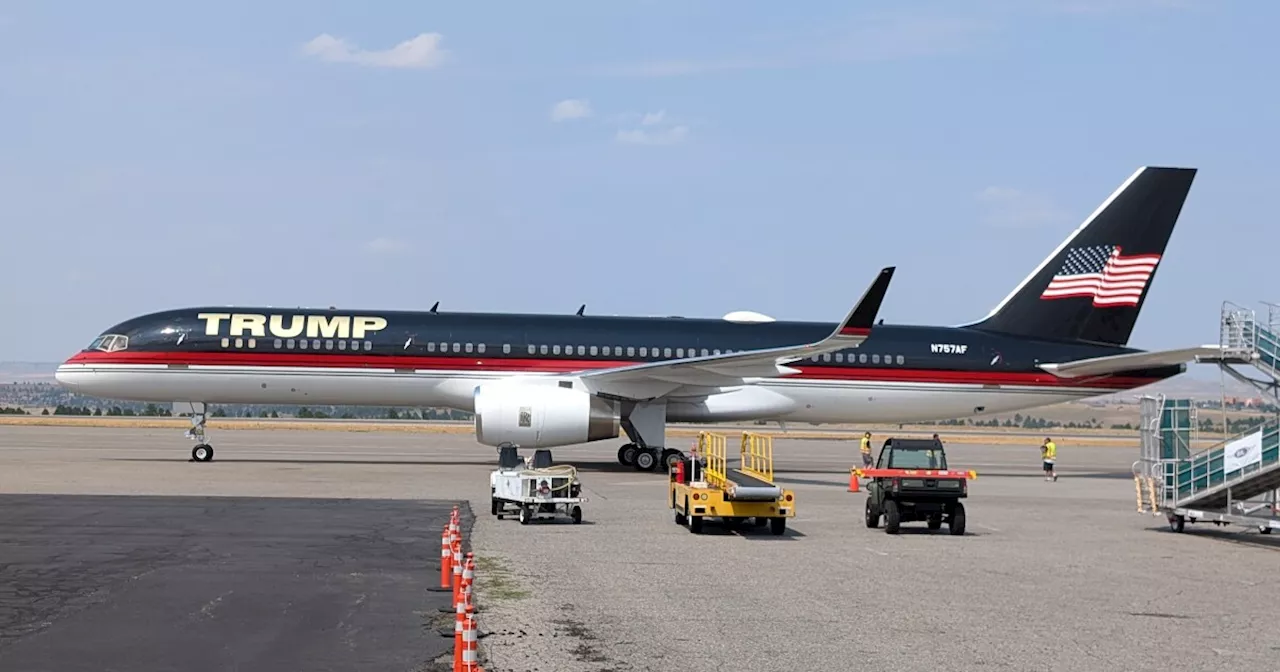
866, 450
1049, 453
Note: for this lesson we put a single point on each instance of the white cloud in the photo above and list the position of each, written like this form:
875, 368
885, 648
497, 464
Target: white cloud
574, 108
663, 136
653, 118
383, 245
421, 52
1011, 208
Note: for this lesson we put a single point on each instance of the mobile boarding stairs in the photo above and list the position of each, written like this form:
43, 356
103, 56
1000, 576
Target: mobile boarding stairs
1236, 481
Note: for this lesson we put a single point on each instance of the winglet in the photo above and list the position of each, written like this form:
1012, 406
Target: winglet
863, 316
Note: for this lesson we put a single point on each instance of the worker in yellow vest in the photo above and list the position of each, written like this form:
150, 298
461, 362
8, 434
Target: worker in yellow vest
866, 450
1049, 453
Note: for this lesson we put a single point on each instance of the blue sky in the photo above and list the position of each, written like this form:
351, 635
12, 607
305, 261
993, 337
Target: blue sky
721, 156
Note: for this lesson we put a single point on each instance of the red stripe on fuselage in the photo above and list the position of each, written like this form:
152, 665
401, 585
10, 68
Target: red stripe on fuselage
480, 363
855, 331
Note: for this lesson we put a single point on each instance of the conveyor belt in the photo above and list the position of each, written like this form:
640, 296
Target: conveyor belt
745, 487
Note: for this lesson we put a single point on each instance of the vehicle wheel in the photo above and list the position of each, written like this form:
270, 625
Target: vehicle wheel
934, 521
892, 519
957, 520
645, 460
777, 525
495, 506
681, 519
695, 522
202, 453
576, 514
525, 515
872, 516
1177, 523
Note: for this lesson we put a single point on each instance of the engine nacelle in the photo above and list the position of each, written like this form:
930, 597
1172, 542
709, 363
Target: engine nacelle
542, 416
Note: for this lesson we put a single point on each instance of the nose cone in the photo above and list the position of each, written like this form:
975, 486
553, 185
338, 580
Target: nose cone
71, 376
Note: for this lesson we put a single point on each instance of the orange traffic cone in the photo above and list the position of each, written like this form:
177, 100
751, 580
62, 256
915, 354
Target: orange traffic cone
853, 480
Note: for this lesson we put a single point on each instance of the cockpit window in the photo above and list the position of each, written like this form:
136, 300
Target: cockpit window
109, 343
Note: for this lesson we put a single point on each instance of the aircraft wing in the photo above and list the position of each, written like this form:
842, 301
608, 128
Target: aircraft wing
655, 379
1099, 366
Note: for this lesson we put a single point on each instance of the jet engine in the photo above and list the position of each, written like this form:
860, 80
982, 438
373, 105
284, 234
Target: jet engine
542, 416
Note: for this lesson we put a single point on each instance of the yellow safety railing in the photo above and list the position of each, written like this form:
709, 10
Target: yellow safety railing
757, 455
712, 447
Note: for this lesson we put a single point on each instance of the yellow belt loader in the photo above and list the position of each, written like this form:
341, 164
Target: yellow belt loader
703, 485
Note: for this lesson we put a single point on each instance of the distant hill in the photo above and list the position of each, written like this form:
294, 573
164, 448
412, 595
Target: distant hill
27, 372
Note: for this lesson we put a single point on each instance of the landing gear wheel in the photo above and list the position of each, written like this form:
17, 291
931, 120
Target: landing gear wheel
892, 519
934, 521
670, 458
576, 514
777, 526
627, 455
202, 453
525, 515
646, 460
872, 516
956, 523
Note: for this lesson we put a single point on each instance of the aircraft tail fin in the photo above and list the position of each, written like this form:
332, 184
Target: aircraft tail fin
1093, 286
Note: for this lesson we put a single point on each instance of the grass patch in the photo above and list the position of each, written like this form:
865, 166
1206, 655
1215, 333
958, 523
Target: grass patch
495, 581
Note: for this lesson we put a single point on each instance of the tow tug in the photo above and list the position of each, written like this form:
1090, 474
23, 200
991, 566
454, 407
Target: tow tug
536, 488
702, 487
911, 482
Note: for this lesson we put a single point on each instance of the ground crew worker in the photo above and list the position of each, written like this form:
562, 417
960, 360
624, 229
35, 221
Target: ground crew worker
1049, 453
866, 450
933, 455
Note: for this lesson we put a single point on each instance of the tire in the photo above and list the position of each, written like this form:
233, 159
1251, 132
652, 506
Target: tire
956, 523
495, 506
1178, 523
645, 460
576, 514
202, 453
525, 515
934, 521
627, 455
892, 518
777, 525
872, 516
695, 522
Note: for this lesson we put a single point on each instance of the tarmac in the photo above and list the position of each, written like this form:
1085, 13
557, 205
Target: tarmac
1050, 576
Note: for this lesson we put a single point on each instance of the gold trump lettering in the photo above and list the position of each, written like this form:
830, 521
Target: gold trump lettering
291, 326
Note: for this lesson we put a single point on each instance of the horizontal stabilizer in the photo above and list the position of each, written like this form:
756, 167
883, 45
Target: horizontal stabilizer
1101, 366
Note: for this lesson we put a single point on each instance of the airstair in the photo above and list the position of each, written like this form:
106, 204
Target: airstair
1235, 481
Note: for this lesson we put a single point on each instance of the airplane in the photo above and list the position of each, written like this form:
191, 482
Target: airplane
541, 381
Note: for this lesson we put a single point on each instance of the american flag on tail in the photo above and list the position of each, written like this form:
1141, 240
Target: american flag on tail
1100, 272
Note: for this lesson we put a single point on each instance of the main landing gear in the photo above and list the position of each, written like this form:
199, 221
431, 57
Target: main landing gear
648, 459
202, 452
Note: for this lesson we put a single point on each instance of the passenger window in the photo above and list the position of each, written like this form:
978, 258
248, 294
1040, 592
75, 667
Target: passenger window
680, 352
594, 351
302, 345
328, 345
582, 350
226, 342
875, 359
368, 345
555, 349
644, 352
631, 351
666, 352
532, 349
480, 348
342, 345
862, 358
289, 344
839, 357
716, 351
506, 348
469, 346
605, 350
901, 359
239, 342
431, 347
315, 344
704, 352
542, 349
